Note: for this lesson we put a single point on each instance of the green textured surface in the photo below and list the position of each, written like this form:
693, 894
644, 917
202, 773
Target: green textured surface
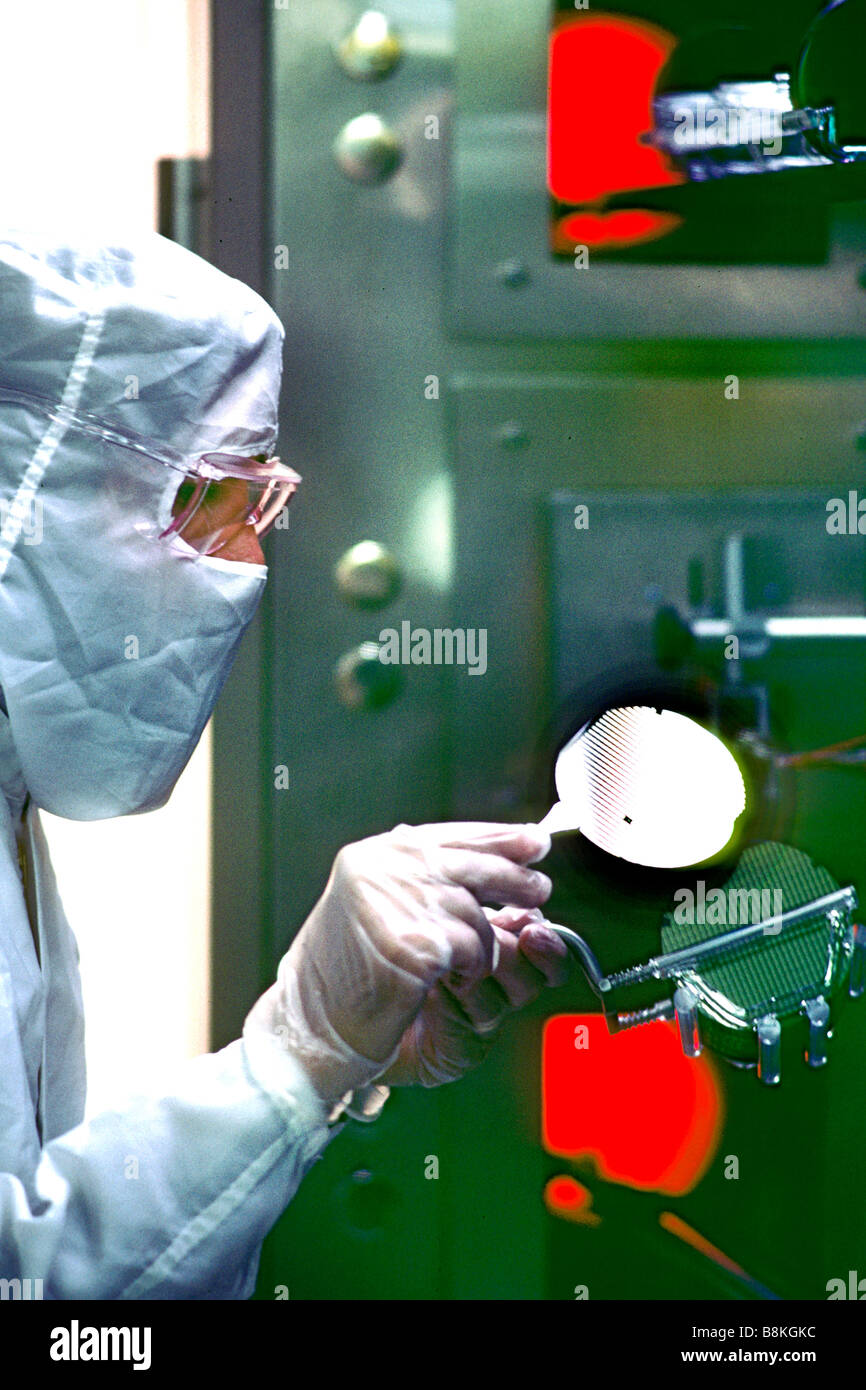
776, 972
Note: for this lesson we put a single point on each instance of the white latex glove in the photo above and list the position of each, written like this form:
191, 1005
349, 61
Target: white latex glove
400, 913
459, 1020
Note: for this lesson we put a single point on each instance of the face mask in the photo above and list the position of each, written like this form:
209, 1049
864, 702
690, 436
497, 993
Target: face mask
117, 362
114, 644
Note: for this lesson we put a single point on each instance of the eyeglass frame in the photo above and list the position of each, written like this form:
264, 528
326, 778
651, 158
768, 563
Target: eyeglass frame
216, 466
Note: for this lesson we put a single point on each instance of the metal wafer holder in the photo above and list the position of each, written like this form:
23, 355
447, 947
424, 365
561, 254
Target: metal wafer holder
736, 990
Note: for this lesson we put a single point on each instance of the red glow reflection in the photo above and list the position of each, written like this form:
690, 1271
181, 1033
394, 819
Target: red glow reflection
646, 1115
564, 1196
629, 227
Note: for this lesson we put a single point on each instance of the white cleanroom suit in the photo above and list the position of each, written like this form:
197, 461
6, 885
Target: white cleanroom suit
120, 367
116, 363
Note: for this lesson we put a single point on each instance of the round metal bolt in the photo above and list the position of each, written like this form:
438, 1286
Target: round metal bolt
512, 435
514, 273
367, 575
367, 150
371, 49
363, 681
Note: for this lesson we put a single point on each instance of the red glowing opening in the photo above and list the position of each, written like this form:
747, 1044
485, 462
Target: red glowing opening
632, 1103
603, 73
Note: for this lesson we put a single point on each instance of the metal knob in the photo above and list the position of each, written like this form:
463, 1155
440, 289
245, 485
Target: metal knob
367, 150
769, 1031
371, 49
686, 1005
367, 575
363, 681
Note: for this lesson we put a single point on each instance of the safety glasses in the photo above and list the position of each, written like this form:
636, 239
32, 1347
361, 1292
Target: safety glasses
219, 495
224, 493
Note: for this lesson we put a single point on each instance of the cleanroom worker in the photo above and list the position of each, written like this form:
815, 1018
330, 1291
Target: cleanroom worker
138, 417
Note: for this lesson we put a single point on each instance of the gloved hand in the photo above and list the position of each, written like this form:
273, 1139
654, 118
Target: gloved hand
401, 913
458, 1020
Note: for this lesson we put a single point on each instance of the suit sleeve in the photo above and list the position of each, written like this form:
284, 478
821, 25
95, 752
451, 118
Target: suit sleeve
169, 1197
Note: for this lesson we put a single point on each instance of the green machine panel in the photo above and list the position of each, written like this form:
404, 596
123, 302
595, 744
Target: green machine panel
452, 392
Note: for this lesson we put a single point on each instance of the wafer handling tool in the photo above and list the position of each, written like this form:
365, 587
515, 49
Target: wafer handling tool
765, 954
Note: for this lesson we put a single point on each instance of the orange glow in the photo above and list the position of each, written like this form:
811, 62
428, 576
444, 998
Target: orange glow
644, 1114
675, 1226
612, 230
669, 1221
564, 1196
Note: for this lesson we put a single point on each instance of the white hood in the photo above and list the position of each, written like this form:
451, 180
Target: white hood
114, 362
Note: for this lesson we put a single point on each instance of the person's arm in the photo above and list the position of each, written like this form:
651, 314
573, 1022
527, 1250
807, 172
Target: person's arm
399, 974
171, 1196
